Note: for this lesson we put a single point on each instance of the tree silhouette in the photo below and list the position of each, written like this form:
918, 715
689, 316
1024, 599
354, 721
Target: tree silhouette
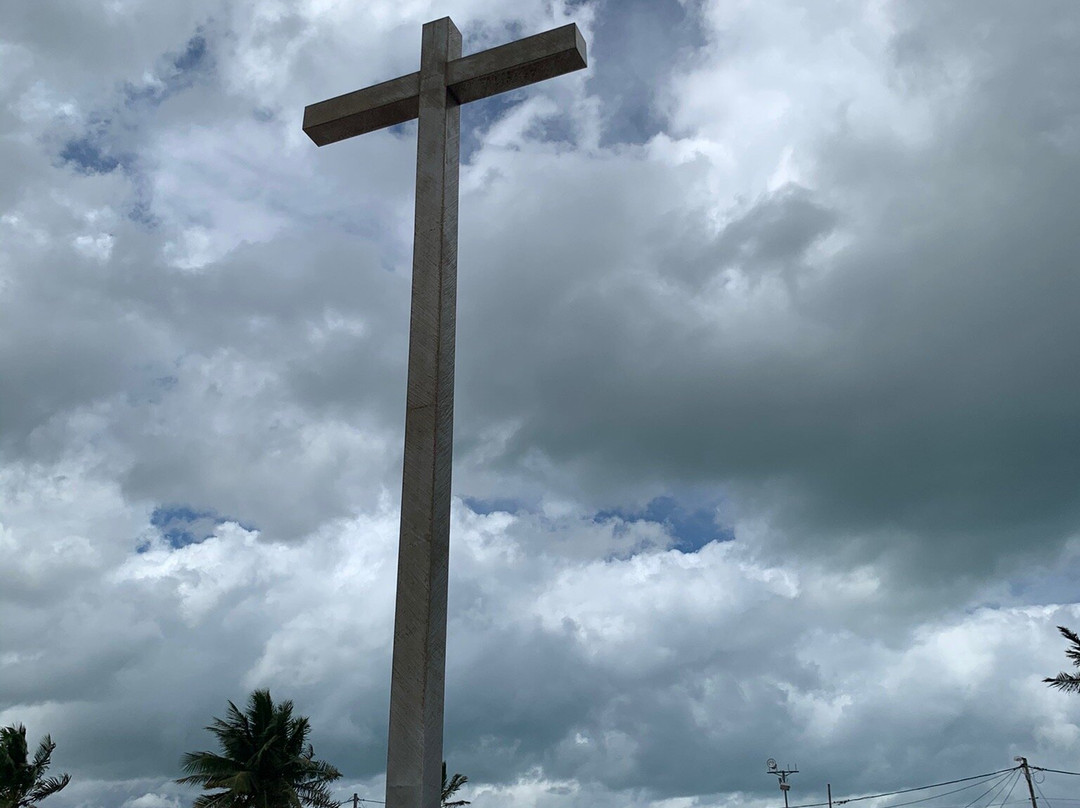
266, 761
449, 788
1069, 682
22, 781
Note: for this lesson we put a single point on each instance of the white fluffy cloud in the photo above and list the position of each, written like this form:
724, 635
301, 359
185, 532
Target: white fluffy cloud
766, 438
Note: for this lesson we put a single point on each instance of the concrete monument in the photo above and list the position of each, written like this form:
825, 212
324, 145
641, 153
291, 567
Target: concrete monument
433, 94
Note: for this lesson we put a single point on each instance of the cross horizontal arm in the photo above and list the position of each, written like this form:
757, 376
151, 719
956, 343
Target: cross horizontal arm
470, 78
517, 64
356, 113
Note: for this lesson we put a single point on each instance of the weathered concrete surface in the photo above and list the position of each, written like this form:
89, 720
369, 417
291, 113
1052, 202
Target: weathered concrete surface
444, 81
362, 111
518, 64
414, 759
497, 70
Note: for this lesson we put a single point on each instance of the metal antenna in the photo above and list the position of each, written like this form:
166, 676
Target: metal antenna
781, 775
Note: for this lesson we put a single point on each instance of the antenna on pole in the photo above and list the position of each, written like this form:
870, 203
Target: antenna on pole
781, 775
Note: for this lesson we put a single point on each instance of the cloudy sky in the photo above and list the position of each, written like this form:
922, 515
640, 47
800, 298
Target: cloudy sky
767, 394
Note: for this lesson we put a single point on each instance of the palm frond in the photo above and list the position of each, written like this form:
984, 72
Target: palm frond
50, 785
1073, 653
43, 754
208, 764
1066, 682
316, 795
450, 787
320, 770
22, 780
220, 799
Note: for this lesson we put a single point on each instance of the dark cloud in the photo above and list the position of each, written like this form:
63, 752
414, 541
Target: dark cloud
913, 380
775, 232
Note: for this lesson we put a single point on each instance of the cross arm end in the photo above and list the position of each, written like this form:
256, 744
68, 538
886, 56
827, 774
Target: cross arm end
356, 113
518, 64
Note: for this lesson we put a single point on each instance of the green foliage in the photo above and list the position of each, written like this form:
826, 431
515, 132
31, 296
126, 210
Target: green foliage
265, 760
1069, 682
449, 788
22, 781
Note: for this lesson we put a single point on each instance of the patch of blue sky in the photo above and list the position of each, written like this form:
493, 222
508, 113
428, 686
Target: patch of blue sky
1059, 585
484, 507
176, 72
478, 117
652, 37
477, 36
182, 525
194, 54
403, 130
692, 526
90, 154
100, 148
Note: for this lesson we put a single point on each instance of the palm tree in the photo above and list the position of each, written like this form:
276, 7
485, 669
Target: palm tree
22, 781
1069, 682
266, 761
449, 788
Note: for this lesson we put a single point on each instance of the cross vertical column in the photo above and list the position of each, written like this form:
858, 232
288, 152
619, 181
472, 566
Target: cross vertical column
432, 94
414, 758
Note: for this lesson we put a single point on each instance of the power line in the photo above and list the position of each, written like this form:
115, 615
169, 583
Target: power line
916, 788
997, 782
1055, 771
1016, 780
999, 785
998, 805
1044, 799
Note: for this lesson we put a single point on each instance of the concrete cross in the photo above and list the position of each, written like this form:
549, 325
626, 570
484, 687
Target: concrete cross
433, 94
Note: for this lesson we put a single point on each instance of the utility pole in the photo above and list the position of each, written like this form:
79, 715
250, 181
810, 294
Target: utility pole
1027, 775
828, 790
781, 775
355, 800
